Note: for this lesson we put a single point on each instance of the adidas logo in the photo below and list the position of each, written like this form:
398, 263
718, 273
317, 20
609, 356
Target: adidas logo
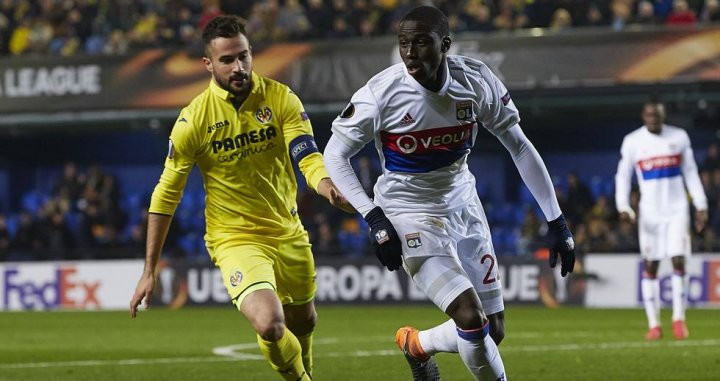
406, 120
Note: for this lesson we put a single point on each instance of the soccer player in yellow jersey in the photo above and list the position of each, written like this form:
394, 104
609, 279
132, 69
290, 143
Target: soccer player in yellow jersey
243, 132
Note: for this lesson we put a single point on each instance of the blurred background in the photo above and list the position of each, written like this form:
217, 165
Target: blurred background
89, 90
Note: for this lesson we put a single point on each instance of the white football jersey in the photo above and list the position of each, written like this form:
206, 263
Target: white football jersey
660, 162
423, 137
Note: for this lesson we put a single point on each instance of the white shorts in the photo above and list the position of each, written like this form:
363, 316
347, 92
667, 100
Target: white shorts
664, 237
447, 255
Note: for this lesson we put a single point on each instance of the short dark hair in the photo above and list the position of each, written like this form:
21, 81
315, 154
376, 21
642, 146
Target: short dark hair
431, 16
653, 102
223, 26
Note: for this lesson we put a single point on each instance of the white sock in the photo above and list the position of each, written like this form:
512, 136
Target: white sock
651, 299
480, 354
441, 338
679, 295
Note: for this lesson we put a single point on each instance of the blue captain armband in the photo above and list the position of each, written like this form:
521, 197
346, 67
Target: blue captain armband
302, 146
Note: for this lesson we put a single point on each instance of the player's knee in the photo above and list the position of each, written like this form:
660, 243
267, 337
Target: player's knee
469, 318
272, 330
305, 325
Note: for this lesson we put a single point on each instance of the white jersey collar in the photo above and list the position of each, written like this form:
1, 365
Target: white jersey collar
416, 85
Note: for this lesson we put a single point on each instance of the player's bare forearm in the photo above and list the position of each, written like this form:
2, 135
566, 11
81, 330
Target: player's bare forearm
701, 217
327, 189
158, 226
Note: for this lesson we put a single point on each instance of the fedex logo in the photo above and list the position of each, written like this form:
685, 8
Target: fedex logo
31, 289
703, 285
659, 167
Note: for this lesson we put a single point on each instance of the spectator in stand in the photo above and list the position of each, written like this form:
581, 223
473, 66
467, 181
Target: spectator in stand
367, 28
340, 29
561, 20
116, 44
602, 209
626, 238
508, 17
663, 8
579, 198
28, 235
325, 240
477, 16
59, 240
292, 23
681, 14
352, 240
360, 10
710, 12
70, 183
712, 159
210, 10
600, 238
531, 232
595, 16
320, 18
645, 14
621, 14
367, 173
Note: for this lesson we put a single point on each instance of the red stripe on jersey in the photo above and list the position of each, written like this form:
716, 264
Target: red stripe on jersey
435, 139
659, 162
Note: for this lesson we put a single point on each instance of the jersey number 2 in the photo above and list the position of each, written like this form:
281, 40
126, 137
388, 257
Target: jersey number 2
487, 279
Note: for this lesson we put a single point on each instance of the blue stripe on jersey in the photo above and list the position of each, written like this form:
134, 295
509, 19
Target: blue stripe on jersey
420, 163
661, 173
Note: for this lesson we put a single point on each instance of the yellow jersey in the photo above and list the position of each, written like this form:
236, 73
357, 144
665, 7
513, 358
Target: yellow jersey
245, 157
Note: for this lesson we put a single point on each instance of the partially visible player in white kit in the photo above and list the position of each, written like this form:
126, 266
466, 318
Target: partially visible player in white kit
424, 115
661, 157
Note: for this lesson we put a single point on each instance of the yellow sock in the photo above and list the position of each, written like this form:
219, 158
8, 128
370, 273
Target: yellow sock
285, 357
306, 345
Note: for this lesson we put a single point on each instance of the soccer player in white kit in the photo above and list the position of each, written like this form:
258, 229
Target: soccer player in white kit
424, 115
661, 157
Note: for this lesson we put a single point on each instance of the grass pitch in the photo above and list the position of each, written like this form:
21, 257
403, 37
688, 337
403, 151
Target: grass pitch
352, 343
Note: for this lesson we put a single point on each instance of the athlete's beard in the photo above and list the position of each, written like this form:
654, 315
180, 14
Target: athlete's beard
237, 91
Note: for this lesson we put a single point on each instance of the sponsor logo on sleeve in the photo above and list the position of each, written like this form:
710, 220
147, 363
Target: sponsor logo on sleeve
348, 112
171, 149
505, 98
304, 116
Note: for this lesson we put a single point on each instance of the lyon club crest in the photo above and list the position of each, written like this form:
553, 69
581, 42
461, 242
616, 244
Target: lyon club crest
263, 114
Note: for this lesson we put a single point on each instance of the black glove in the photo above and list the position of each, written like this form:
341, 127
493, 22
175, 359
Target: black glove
384, 239
561, 242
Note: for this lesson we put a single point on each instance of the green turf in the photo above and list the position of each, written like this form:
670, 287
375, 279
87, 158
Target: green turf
353, 343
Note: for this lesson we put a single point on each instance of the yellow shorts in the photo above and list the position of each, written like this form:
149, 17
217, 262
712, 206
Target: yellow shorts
284, 265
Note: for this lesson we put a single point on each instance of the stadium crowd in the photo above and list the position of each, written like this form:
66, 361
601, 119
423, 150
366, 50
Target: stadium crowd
70, 27
86, 215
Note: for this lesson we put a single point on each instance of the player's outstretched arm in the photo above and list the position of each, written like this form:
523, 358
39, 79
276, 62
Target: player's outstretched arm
158, 226
535, 176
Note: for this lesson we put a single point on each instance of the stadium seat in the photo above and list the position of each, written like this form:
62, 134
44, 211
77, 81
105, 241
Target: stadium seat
13, 224
33, 201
